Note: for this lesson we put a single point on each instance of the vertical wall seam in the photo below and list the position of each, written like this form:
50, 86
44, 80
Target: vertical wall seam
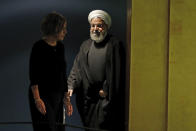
128, 65
168, 59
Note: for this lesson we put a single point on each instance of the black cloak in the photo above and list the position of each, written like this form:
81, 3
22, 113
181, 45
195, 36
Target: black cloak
102, 113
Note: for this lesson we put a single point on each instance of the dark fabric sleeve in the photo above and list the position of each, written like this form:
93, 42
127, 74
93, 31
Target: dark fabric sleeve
34, 66
118, 88
74, 79
119, 69
116, 71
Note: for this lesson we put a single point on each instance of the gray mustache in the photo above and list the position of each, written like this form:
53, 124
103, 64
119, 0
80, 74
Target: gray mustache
97, 32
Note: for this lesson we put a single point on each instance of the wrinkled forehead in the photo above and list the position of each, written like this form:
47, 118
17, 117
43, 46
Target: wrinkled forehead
97, 20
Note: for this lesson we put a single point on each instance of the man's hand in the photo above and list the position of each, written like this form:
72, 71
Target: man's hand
102, 94
40, 106
67, 102
70, 92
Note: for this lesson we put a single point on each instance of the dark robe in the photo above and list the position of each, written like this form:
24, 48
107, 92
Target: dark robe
95, 111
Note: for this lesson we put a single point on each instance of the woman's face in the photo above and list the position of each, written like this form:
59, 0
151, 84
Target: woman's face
62, 33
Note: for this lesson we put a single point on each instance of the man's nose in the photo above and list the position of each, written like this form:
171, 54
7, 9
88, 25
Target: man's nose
96, 31
96, 27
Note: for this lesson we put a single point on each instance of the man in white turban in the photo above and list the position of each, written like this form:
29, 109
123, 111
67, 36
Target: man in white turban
97, 76
101, 14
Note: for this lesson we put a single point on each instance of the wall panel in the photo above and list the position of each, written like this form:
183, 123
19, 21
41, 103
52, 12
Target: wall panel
182, 66
149, 46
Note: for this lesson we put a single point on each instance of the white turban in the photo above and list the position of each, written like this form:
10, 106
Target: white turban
101, 14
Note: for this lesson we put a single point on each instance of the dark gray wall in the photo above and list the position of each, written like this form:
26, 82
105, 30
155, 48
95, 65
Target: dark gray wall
20, 28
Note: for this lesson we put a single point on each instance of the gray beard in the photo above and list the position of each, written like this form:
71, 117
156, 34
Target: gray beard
98, 38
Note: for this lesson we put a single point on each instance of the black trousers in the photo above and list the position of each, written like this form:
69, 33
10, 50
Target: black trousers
54, 113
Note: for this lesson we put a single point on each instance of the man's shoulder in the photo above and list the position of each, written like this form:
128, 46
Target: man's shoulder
86, 43
113, 38
115, 41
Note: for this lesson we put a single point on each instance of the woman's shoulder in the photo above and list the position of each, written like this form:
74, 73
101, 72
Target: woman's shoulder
38, 45
60, 44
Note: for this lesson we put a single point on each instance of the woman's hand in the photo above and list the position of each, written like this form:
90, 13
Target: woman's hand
68, 105
38, 102
40, 106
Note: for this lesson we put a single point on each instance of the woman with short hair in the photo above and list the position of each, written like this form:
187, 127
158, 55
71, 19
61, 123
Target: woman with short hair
48, 86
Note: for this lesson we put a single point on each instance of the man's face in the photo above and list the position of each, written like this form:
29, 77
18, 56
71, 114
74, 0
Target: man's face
98, 30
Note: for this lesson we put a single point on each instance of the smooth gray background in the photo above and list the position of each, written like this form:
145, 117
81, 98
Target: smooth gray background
20, 28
